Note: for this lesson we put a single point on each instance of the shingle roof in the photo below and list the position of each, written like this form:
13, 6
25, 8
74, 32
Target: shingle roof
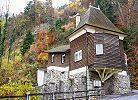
43, 69
95, 17
62, 48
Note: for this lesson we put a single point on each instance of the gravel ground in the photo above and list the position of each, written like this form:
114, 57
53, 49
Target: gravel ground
131, 96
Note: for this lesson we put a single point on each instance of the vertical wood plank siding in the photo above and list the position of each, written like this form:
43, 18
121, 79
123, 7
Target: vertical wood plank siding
122, 54
57, 59
76, 45
113, 56
91, 49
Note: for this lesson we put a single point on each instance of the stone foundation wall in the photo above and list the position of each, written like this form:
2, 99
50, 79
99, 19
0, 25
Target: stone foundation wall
117, 84
56, 81
63, 82
78, 81
121, 84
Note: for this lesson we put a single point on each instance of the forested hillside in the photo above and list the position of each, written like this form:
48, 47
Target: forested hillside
25, 38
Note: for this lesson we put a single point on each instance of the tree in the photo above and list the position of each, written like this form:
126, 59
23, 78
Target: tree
30, 11
28, 40
107, 8
0, 25
3, 37
75, 7
131, 48
12, 40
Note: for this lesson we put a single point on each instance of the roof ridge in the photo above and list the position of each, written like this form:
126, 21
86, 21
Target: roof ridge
96, 17
89, 14
108, 19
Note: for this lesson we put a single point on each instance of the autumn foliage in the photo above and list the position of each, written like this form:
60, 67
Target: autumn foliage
133, 67
18, 73
41, 44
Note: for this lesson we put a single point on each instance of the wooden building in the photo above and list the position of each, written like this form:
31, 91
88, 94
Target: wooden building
95, 52
59, 56
99, 43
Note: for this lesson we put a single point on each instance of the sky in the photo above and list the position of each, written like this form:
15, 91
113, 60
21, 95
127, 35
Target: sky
17, 6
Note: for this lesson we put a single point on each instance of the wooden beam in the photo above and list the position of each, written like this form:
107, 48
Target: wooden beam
103, 74
98, 73
106, 73
111, 74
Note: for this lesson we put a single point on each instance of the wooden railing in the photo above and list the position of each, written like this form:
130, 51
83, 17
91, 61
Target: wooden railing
74, 95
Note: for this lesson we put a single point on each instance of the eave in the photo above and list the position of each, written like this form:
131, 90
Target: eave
99, 27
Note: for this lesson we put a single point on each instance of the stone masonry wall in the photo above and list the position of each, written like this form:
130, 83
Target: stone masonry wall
78, 81
63, 82
121, 84
117, 84
56, 81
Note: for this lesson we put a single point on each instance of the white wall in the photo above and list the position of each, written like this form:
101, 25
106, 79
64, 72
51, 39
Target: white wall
81, 32
40, 77
57, 68
92, 30
124, 73
79, 70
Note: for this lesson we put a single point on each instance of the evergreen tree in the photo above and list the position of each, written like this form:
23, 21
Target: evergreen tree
12, 40
0, 25
3, 37
107, 8
29, 11
28, 40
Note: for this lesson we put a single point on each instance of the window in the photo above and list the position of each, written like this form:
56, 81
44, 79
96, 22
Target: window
52, 60
78, 56
125, 58
99, 49
97, 83
63, 58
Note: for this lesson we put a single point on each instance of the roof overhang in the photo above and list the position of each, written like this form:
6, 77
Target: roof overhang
119, 33
42, 69
57, 52
60, 49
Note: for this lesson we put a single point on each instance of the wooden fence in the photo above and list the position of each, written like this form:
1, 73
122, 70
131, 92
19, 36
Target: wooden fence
74, 95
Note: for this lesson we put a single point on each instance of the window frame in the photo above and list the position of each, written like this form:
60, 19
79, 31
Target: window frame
52, 58
97, 83
63, 58
99, 49
78, 56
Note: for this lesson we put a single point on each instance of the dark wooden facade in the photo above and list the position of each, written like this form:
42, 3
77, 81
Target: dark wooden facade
57, 59
122, 54
76, 45
113, 56
113, 53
